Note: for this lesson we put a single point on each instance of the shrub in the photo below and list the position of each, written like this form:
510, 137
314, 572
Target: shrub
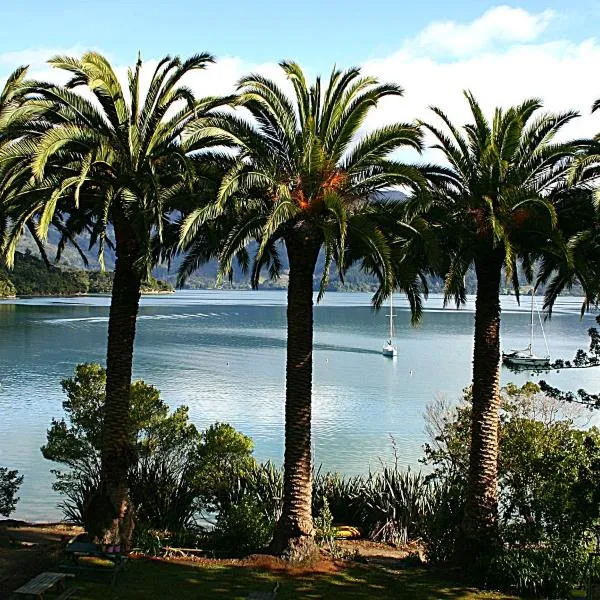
546, 572
344, 496
10, 481
176, 467
261, 484
395, 504
549, 490
443, 520
244, 528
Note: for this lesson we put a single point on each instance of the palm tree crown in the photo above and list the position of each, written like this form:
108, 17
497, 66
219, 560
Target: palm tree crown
300, 165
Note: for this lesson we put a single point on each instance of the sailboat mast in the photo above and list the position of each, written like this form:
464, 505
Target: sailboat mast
531, 330
391, 318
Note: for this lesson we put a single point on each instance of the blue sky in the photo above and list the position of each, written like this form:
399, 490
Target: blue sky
315, 33
503, 52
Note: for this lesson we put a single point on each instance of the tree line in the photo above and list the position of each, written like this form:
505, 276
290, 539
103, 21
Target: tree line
158, 172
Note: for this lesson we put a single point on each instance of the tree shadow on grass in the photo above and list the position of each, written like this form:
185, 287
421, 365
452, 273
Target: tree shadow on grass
147, 579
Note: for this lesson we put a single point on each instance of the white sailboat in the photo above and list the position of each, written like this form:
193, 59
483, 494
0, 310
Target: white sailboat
526, 358
389, 348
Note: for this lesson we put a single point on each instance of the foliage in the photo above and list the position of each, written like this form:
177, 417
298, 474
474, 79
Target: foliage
302, 165
10, 481
7, 288
325, 531
224, 459
395, 504
549, 490
582, 360
175, 466
442, 523
101, 282
244, 527
148, 541
343, 496
545, 572
261, 483
499, 195
30, 276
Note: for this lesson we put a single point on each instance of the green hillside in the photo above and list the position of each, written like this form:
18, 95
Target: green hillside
31, 277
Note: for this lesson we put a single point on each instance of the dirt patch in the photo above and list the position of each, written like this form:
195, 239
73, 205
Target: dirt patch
363, 550
369, 551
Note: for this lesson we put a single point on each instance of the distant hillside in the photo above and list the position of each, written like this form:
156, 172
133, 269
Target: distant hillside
31, 277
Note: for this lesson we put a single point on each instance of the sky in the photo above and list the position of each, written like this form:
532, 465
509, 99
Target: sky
503, 52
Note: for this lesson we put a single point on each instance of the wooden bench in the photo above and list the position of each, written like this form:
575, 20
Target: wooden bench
39, 585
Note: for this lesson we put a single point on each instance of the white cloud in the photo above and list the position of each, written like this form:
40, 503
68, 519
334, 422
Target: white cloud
502, 24
496, 56
557, 72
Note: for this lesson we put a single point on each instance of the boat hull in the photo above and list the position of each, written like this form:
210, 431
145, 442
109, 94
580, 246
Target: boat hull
525, 361
389, 351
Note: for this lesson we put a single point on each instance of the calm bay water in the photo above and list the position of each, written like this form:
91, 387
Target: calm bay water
223, 355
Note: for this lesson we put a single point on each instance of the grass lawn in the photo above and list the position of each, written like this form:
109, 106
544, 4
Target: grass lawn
162, 579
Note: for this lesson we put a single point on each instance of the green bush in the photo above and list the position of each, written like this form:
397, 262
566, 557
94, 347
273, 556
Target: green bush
343, 495
549, 490
545, 572
244, 528
442, 523
261, 484
395, 504
10, 481
7, 288
177, 467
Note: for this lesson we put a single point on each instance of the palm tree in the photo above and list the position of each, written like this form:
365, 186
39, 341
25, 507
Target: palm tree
495, 205
12, 98
578, 211
109, 161
304, 181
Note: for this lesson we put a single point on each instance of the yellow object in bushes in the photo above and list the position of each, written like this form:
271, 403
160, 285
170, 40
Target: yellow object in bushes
347, 532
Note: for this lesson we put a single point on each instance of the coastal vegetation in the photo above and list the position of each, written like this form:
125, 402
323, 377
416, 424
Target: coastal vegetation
160, 175
30, 276
10, 481
204, 491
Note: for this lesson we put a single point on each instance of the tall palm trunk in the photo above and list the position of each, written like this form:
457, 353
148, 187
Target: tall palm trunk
294, 534
109, 515
481, 511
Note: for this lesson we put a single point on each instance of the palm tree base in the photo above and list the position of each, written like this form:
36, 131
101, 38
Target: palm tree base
101, 523
296, 550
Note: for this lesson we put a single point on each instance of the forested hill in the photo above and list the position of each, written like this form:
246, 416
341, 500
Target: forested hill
31, 277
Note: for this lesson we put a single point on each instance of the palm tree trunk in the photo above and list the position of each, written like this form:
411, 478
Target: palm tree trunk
294, 534
481, 510
109, 516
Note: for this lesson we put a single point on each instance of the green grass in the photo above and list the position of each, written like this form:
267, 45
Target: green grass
153, 579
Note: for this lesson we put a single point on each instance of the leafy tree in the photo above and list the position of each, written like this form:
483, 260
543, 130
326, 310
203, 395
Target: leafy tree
7, 288
10, 481
109, 159
176, 469
548, 488
303, 181
495, 207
